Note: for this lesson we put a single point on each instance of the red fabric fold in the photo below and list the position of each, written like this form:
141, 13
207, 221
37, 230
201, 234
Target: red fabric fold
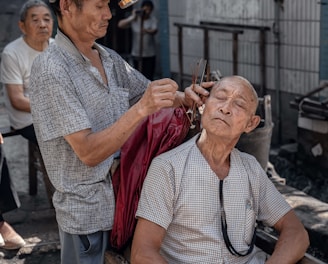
158, 133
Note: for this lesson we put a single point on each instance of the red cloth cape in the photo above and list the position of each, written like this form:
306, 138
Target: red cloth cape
158, 133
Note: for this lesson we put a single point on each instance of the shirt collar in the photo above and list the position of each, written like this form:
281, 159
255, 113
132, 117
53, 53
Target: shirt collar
64, 42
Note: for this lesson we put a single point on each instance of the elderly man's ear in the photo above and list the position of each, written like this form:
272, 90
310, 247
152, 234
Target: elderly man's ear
253, 123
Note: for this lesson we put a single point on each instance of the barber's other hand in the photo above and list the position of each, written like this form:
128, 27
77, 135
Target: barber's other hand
197, 94
159, 94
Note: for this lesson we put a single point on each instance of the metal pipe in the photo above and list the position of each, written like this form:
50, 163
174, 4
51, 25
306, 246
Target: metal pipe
164, 38
263, 62
276, 32
180, 55
235, 53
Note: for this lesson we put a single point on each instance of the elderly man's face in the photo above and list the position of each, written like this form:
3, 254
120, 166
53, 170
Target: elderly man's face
229, 110
38, 24
92, 20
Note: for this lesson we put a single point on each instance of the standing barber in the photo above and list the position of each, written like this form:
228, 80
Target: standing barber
86, 102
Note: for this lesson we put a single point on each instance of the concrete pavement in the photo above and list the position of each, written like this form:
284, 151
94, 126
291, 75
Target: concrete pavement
35, 219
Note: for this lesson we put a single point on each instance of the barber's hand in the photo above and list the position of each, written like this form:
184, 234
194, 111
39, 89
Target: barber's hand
159, 94
197, 94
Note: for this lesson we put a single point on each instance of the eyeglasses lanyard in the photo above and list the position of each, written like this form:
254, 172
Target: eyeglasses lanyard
224, 226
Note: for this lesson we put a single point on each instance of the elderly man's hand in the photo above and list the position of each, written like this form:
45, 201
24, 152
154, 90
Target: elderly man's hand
197, 94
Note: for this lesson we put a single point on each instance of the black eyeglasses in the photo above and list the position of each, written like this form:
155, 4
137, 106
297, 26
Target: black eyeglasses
224, 227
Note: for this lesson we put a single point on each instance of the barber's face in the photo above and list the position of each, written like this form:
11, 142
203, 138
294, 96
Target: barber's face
38, 24
229, 110
92, 19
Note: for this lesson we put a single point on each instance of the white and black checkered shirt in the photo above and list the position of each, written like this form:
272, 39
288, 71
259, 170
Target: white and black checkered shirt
181, 194
68, 95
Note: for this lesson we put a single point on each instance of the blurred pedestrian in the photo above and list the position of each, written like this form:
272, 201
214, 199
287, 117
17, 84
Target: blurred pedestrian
144, 27
9, 201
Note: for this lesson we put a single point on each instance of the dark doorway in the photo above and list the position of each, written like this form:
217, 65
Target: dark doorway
120, 39
116, 38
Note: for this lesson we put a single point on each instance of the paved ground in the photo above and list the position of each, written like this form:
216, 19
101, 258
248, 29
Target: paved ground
35, 219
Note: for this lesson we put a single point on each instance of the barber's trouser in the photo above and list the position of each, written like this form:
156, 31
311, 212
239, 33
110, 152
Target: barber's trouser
83, 249
8, 196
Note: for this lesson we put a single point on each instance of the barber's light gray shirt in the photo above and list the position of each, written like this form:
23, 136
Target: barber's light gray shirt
69, 95
181, 194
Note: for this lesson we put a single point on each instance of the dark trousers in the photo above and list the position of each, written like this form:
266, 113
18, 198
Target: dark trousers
83, 249
28, 133
8, 196
148, 65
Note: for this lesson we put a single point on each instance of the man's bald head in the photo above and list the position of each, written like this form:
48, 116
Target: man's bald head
239, 80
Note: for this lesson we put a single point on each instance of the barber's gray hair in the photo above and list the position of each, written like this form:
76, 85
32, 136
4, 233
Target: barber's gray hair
54, 4
29, 4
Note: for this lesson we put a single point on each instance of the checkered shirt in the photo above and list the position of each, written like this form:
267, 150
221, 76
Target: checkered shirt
68, 95
181, 194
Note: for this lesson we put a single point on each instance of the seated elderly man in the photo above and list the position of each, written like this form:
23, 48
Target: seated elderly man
201, 201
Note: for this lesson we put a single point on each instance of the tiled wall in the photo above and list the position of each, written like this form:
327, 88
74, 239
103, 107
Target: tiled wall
299, 35
299, 46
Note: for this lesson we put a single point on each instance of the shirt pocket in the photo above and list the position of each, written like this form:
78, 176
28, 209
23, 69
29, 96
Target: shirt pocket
250, 221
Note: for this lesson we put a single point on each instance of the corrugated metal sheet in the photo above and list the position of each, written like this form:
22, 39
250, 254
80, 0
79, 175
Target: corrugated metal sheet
324, 41
299, 35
